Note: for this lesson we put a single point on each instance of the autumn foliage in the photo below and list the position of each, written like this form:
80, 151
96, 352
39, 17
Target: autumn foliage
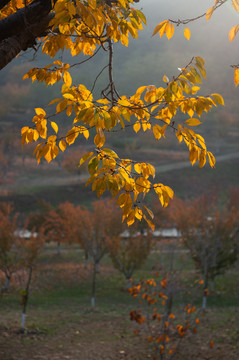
88, 27
161, 328
211, 234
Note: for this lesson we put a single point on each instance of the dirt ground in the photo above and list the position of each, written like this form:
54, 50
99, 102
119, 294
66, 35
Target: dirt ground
96, 337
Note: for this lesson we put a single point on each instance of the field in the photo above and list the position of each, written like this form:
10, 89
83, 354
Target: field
61, 325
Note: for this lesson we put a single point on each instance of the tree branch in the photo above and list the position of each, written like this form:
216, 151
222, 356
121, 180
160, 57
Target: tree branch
19, 31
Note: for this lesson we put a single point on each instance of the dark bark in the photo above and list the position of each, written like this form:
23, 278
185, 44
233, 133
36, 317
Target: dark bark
25, 298
3, 3
19, 31
93, 286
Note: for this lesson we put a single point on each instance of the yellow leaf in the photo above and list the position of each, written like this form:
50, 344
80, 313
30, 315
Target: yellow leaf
193, 155
72, 135
233, 32
99, 140
85, 158
236, 76
54, 126
165, 79
151, 225
162, 30
137, 126
209, 12
93, 165
169, 31
159, 26
218, 98
187, 33
235, 4
86, 134
67, 78
62, 145
103, 101
202, 158
157, 132
137, 168
109, 152
138, 213
193, 122
68, 96
151, 214
122, 199
169, 191
211, 159
40, 111
131, 218
54, 101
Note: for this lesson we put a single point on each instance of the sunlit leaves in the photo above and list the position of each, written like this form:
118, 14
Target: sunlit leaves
193, 122
84, 27
210, 12
164, 28
54, 126
218, 98
236, 76
67, 78
211, 158
187, 33
233, 32
235, 4
62, 145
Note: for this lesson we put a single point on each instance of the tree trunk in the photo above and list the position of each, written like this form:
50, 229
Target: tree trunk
59, 248
93, 286
25, 299
97, 265
86, 260
20, 30
205, 293
6, 287
212, 285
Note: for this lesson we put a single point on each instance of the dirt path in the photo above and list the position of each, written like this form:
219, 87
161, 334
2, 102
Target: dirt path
185, 164
49, 180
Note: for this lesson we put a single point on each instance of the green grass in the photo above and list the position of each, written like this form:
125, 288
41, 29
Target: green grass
59, 305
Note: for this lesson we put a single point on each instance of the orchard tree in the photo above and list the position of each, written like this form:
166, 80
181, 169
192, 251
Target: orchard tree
9, 256
210, 235
88, 28
164, 330
95, 228
59, 224
29, 250
128, 253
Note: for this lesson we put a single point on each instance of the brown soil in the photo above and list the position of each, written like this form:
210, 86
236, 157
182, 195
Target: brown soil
96, 338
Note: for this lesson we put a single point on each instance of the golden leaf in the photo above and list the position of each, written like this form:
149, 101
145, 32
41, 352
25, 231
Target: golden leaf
187, 33
193, 122
62, 145
218, 98
67, 78
54, 126
85, 158
233, 32
211, 159
40, 111
236, 76
99, 140
169, 31
235, 4
210, 12
137, 126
